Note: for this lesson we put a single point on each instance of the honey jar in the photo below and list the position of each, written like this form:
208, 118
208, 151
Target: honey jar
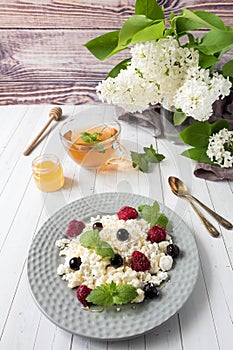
48, 173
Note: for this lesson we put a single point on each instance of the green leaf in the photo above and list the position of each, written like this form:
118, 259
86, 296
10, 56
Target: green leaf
90, 239
153, 32
215, 41
151, 213
102, 295
104, 249
116, 70
139, 160
218, 125
124, 294
149, 8
133, 25
198, 154
197, 134
179, 117
104, 45
227, 69
109, 294
90, 138
206, 19
183, 25
206, 61
152, 156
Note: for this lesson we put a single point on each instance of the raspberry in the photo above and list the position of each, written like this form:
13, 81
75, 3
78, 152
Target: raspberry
156, 234
139, 261
75, 228
126, 213
82, 292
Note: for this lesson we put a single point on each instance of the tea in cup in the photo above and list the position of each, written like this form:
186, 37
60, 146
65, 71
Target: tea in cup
91, 138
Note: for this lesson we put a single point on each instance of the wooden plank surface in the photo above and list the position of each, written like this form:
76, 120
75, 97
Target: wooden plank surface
42, 58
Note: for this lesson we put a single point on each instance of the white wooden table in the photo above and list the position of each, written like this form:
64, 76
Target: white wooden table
206, 319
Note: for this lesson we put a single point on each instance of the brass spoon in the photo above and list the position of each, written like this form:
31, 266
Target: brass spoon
179, 188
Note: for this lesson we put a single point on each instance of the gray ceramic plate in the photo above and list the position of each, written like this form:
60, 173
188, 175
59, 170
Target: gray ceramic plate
60, 304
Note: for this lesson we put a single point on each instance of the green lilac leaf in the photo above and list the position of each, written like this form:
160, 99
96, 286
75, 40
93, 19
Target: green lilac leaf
179, 118
218, 125
197, 134
207, 61
104, 45
116, 70
104, 249
133, 25
227, 69
149, 8
215, 41
152, 32
90, 239
124, 294
206, 19
198, 154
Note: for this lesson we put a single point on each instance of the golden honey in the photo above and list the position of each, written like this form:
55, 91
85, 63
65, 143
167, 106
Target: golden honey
48, 173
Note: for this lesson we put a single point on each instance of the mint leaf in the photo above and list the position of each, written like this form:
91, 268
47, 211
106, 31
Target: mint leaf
139, 160
109, 294
142, 160
152, 214
102, 295
124, 294
152, 156
90, 138
104, 249
90, 239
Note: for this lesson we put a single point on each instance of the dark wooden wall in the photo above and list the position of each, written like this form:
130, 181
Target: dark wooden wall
42, 59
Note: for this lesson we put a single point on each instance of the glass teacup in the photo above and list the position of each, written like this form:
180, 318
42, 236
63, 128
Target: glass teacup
91, 138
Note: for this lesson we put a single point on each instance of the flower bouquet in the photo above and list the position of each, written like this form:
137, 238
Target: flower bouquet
166, 64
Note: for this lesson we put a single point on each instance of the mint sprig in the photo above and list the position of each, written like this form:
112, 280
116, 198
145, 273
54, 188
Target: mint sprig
90, 137
142, 160
91, 240
112, 294
152, 214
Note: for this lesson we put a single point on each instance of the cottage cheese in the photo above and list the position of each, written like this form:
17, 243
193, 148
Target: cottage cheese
96, 270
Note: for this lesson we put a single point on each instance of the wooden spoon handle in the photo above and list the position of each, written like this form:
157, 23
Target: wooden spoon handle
34, 141
55, 114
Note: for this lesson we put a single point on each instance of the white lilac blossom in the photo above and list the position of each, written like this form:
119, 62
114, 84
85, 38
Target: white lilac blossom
220, 148
196, 96
163, 72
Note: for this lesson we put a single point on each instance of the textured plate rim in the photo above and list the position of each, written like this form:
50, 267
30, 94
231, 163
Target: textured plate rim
109, 333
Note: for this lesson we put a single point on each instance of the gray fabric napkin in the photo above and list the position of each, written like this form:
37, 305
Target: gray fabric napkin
149, 118
213, 173
223, 109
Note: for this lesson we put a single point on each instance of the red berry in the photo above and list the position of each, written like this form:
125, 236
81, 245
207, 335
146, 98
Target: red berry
139, 261
126, 213
156, 234
82, 292
75, 228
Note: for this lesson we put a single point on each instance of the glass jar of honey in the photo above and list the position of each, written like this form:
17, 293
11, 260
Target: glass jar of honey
48, 173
